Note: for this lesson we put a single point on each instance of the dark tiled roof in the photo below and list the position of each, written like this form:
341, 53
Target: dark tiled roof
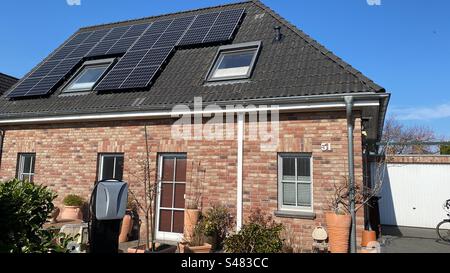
6, 82
297, 66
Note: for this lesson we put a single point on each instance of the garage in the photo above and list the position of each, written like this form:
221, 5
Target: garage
414, 190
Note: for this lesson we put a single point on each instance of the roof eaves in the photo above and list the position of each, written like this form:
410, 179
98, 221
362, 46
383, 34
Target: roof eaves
364, 80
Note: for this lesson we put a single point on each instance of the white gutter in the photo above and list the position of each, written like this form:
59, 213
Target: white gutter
162, 114
240, 151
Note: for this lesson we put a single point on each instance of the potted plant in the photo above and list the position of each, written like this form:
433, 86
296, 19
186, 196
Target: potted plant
260, 234
197, 242
339, 219
127, 222
217, 223
72, 207
192, 210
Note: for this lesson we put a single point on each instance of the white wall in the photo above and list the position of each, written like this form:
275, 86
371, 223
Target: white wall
413, 194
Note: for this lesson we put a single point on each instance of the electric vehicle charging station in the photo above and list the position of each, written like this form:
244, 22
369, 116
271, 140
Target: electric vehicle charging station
107, 208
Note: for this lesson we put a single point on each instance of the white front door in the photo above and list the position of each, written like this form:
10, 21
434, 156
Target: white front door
171, 193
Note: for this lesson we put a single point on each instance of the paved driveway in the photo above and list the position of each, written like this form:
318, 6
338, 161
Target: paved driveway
412, 240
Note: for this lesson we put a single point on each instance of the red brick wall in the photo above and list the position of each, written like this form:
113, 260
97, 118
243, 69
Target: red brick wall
66, 160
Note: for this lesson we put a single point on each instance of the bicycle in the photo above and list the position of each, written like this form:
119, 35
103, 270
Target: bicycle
443, 228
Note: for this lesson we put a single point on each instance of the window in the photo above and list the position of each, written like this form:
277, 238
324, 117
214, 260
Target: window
25, 167
110, 166
234, 62
295, 183
88, 76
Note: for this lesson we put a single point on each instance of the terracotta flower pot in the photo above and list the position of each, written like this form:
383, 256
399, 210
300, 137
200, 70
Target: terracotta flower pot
368, 236
205, 248
127, 225
190, 221
71, 213
372, 247
338, 232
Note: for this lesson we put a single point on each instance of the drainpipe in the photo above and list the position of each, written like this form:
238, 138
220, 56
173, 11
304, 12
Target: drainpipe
240, 151
2, 137
351, 171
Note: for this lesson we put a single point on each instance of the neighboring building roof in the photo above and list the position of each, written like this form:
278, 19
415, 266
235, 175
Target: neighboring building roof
6, 82
296, 66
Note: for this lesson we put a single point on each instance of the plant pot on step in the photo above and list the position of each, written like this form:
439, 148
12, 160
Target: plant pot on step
127, 226
368, 236
71, 213
191, 217
205, 248
338, 232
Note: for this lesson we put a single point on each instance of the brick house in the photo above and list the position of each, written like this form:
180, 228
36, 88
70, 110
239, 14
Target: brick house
79, 116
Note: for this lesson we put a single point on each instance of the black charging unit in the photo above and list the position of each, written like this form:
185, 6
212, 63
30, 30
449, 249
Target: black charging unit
107, 208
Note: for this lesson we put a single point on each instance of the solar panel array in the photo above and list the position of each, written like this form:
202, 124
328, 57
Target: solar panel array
146, 48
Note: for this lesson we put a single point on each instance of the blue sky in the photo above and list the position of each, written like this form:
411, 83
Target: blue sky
403, 45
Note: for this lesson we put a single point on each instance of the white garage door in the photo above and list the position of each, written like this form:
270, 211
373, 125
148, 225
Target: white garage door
413, 194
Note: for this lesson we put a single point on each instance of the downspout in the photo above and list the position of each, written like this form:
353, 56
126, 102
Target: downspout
351, 171
240, 151
2, 137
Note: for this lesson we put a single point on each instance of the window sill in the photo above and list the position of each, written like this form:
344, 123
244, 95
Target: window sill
295, 214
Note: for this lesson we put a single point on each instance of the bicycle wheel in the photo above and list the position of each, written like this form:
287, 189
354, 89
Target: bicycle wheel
443, 230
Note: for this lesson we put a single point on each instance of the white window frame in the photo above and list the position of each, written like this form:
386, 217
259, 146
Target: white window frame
21, 165
231, 49
283, 207
165, 235
88, 64
101, 158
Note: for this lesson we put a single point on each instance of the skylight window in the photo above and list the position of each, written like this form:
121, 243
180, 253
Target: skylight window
234, 62
88, 76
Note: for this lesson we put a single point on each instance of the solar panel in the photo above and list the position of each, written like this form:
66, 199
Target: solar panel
63, 52
146, 41
81, 51
205, 20
114, 78
44, 85
102, 48
24, 87
96, 36
194, 36
168, 39
141, 76
122, 45
116, 33
155, 56
44, 69
64, 67
79, 38
146, 47
219, 33
136, 30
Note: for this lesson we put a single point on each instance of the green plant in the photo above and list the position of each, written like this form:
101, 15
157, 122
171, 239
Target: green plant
261, 234
24, 209
218, 221
445, 149
198, 235
73, 200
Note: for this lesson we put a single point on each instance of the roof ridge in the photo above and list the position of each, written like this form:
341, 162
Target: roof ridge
358, 74
163, 15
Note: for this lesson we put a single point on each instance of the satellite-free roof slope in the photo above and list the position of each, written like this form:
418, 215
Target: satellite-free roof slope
296, 66
6, 82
